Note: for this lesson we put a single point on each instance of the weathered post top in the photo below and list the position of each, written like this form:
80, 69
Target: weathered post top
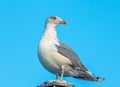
56, 83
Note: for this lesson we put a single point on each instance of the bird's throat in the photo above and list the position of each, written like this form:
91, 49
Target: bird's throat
50, 33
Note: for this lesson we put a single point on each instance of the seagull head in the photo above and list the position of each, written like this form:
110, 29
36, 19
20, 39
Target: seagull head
54, 20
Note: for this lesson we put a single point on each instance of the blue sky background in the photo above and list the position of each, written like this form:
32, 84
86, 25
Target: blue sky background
93, 32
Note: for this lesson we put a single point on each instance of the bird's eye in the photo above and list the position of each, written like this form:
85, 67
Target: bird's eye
53, 17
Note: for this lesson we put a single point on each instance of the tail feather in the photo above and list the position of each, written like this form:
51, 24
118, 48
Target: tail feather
99, 79
89, 76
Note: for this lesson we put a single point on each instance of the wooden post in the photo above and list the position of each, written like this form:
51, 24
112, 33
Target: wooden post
56, 83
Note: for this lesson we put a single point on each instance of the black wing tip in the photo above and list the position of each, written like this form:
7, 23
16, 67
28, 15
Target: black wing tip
100, 79
96, 79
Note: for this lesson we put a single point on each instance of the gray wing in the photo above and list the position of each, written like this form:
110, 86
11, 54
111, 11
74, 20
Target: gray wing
66, 51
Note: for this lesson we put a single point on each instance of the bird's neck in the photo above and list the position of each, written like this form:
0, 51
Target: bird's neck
50, 32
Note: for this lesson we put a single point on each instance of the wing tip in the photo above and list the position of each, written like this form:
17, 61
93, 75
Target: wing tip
100, 79
89, 78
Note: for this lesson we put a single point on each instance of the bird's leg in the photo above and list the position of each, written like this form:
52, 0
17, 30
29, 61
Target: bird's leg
56, 76
62, 73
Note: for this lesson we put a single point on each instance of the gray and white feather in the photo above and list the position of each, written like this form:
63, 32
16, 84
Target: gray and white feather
59, 58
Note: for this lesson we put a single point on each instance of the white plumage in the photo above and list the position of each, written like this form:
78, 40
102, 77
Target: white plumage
59, 58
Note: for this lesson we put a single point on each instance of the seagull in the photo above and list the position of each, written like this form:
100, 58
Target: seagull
59, 58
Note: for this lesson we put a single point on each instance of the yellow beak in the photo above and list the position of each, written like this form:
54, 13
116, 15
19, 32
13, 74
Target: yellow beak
63, 22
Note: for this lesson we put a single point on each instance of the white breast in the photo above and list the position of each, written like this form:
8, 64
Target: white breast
48, 53
49, 56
